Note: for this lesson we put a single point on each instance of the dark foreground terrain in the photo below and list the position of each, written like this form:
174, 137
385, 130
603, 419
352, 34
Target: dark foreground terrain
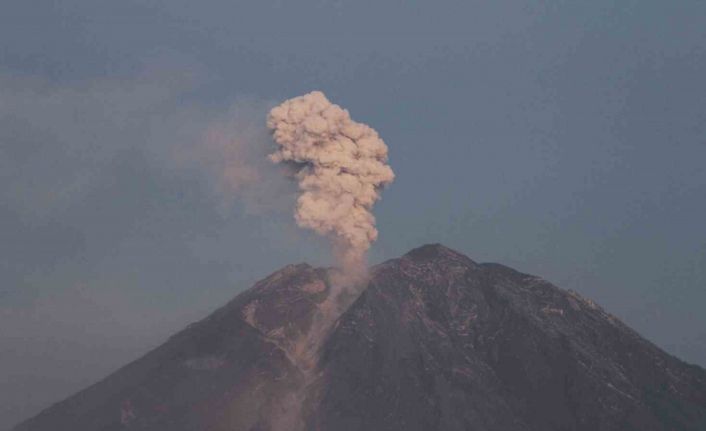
435, 341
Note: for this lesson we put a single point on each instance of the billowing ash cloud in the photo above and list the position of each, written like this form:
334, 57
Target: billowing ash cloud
341, 166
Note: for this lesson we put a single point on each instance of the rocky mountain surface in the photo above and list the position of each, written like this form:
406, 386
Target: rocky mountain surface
434, 341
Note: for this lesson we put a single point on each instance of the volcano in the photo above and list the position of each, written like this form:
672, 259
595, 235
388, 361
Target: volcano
434, 341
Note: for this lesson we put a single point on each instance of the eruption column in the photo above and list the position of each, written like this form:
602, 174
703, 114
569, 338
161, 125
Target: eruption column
341, 167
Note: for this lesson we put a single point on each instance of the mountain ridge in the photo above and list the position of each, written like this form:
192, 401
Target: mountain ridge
433, 341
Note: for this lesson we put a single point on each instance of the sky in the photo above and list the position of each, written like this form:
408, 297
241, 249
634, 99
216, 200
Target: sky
563, 139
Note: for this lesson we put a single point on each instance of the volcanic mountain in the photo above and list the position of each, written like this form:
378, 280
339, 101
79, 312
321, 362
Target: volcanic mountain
433, 341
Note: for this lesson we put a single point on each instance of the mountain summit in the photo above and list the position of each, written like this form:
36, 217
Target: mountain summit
434, 341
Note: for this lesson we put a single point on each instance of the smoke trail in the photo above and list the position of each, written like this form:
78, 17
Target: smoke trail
341, 166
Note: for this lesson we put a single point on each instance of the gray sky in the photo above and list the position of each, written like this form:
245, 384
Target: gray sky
565, 139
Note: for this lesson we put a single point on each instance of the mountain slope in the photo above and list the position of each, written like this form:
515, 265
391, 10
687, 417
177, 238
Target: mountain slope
435, 341
440, 342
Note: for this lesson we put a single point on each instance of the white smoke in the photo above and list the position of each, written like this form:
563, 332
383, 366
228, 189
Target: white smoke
341, 166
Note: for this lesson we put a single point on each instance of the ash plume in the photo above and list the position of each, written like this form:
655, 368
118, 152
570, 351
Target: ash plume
341, 167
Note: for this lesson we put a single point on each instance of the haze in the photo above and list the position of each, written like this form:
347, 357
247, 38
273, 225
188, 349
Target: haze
566, 140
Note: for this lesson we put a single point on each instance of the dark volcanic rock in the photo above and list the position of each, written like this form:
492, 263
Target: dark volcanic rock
226, 372
440, 342
434, 342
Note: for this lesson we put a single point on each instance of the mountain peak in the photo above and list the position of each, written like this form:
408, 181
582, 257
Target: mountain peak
433, 341
434, 252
